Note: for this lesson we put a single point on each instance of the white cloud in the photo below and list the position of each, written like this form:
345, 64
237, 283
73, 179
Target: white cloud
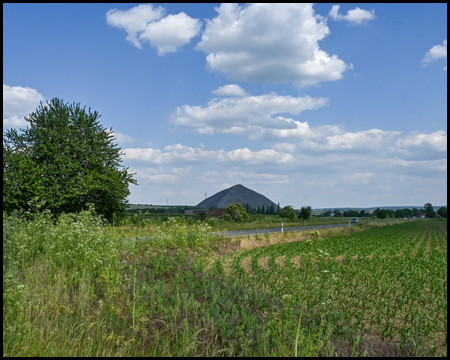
435, 53
273, 43
371, 140
134, 20
123, 138
239, 177
421, 146
252, 116
355, 16
19, 102
184, 154
230, 90
170, 33
358, 179
146, 23
321, 143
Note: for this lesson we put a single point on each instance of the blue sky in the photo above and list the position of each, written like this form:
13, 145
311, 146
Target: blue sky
325, 105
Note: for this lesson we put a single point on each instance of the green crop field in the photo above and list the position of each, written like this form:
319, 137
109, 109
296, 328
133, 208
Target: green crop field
389, 283
74, 287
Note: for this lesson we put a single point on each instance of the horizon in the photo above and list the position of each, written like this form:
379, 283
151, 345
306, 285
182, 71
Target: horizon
307, 104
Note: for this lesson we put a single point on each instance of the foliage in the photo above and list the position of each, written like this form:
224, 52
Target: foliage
202, 215
66, 159
305, 213
365, 280
288, 212
337, 213
351, 213
429, 210
155, 296
235, 212
443, 212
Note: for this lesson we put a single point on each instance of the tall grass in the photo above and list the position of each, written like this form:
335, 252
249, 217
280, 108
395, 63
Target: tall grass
73, 287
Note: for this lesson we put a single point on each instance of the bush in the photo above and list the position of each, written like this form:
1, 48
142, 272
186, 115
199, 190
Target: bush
288, 212
235, 212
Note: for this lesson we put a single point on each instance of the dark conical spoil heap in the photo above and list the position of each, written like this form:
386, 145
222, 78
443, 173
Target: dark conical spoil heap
236, 194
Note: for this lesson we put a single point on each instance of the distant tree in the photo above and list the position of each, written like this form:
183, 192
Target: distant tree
263, 210
66, 159
390, 213
337, 213
362, 213
429, 211
443, 212
399, 213
278, 209
415, 212
247, 208
235, 212
327, 213
382, 214
288, 212
407, 212
272, 209
305, 213
351, 213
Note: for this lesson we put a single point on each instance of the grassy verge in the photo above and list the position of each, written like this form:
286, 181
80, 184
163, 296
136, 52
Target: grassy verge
72, 287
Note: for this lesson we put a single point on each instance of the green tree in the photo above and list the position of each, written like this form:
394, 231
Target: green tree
399, 213
235, 212
288, 212
443, 212
65, 159
305, 213
327, 213
429, 211
202, 215
337, 213
415, 212
382, 214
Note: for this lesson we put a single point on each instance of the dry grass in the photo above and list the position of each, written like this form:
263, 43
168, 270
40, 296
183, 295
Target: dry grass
264, 262
340, 259
297, 261
281, 261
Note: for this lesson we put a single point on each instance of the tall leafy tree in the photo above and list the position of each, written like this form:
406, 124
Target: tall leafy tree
67, 159
305, 213
288, 212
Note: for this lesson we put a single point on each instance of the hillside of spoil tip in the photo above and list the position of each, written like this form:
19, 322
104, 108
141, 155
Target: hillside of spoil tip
236, 194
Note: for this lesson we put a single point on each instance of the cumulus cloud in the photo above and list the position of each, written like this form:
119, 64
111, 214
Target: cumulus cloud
230, 90
19, 102
371, 140
252, 116
146, 23
421, 146
355, 16
237, 177
183, 154
435, 53
273, 43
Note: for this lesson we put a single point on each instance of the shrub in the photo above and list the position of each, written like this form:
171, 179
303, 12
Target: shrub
288, 212
235, 212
